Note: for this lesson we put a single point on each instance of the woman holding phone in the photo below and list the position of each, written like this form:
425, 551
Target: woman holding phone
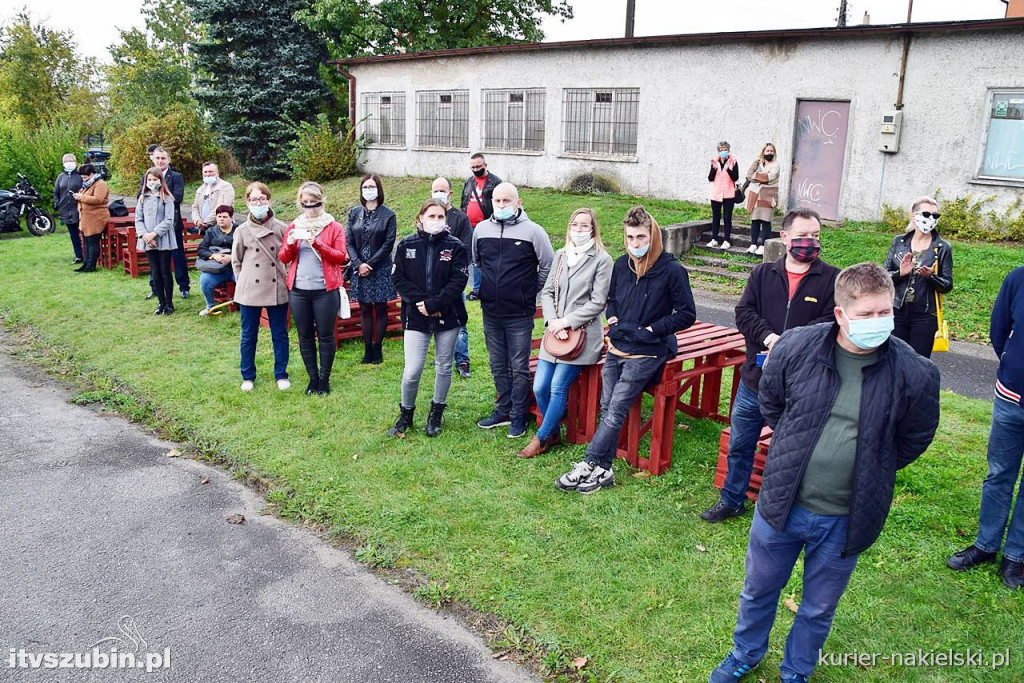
314, 249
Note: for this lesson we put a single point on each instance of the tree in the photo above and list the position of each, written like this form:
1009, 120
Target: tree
258, 77
152, 68
42, 76
357, 27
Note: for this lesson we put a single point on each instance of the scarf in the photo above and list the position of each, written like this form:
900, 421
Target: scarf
574, 253
314, 225
640, 266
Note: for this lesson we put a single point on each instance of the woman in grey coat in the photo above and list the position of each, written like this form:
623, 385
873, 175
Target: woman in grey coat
154, 225
574, 296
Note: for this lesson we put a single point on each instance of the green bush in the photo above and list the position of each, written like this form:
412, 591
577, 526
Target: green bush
593, 183
36, 153
181, 130
965, 218
321, 153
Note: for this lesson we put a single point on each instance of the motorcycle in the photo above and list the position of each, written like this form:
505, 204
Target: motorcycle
21, 201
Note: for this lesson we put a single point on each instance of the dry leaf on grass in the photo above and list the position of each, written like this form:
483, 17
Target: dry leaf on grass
642, 474
579, 662
791, 605
206, 480
682, 426
355, 457
236, 519
173, 453
701, 548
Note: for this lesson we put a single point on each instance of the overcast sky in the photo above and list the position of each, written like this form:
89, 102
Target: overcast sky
95, 24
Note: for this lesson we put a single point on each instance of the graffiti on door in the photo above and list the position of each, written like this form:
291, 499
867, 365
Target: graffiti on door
818, 155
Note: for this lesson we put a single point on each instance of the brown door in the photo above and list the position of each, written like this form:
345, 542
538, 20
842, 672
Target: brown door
818, 153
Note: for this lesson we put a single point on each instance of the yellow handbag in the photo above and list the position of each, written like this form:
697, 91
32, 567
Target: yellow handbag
942, 334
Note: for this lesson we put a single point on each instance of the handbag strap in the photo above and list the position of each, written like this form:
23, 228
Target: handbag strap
938, 307
558, 277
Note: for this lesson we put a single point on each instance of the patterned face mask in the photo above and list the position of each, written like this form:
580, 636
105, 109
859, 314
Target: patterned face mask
805, 249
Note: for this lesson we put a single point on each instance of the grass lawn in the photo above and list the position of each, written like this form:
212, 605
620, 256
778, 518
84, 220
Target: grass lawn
630, 578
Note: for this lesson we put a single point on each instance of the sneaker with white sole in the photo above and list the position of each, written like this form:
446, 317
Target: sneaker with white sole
247, 385
726, 245
730, 670
493, 420
712, 244
752, 248
204, 312
599, 478
516, 429
572, 479
760, 250
284, 384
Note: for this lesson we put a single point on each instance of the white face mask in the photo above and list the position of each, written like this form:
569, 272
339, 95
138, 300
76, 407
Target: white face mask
440, 196
69, 166
433, 227
580, 238
370, 194
925, 224
210, 179
153, 185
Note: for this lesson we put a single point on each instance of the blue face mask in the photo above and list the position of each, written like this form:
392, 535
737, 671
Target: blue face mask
259, 211
504, 213
640, 252
869, 333
724, 154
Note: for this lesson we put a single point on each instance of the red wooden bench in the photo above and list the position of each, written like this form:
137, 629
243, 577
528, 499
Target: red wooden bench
223, 293
760, 453
135, 264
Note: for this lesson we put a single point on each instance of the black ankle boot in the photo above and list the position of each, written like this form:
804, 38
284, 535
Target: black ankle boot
434, 418
1012, 573
367, 353
314, 385
325, 386
378, 353
403, 423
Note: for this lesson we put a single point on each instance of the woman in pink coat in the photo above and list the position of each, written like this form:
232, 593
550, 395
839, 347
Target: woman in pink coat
722, 176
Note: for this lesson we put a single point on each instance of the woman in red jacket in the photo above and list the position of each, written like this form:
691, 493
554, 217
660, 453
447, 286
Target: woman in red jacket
314, 249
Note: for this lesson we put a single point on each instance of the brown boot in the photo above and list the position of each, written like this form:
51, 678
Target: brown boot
553, 440
534, 448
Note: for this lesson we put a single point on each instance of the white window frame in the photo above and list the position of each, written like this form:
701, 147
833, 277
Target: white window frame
1014, 158
530, 101
434, 102
603, 104
373, 113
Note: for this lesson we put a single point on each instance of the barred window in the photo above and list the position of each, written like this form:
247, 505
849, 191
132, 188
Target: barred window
1001, 157
600, 121
513, 119
442, 118
384, 118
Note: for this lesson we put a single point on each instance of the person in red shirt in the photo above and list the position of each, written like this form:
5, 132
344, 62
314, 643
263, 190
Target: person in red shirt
476, 203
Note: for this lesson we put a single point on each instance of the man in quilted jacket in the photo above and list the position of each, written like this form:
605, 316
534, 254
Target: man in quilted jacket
849, 406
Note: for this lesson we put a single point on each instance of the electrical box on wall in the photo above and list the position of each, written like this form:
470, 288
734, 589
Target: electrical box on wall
892, 124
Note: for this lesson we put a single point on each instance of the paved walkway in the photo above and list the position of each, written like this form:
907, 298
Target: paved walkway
106, 538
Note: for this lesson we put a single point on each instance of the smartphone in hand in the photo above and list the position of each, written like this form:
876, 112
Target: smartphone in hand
302, 233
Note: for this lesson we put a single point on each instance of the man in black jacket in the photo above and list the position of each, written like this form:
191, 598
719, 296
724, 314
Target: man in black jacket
460, 228
68, 183
850, 405
477, 204
649, 300
175, 184
794, 291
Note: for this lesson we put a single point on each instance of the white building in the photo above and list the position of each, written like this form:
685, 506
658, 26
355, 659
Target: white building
650, 111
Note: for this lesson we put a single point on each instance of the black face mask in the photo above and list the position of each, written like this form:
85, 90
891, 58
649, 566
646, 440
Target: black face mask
479, 172
769, 157
313, 206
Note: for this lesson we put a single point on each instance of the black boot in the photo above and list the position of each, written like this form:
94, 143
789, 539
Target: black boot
378, 353
1012, 572
314, 385
434, 418
308, 353
403, 423
367, 352
325, 385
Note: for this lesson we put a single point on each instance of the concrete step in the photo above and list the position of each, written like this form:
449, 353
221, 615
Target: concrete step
716, 272
702, 260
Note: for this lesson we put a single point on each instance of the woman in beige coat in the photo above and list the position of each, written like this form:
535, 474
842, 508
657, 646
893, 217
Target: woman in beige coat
93, 215
260, 284
762, 197
574, 296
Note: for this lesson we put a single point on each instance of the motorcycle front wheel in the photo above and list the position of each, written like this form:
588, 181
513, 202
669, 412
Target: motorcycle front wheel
40, 223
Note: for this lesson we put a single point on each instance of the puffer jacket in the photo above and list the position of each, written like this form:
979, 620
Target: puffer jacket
939, 255
899, 413
433, 269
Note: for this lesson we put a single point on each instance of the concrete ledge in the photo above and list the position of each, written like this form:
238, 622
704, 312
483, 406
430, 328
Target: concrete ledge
679, 238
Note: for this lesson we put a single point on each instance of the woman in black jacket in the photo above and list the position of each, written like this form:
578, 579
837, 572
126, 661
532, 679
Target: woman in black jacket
216, 248
921, 265
370, 237
430, 274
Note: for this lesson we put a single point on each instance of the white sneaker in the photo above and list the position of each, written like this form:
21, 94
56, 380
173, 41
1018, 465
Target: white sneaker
204, 312
760, 250
712, 244
726, 245
752, 248
247, 385
284, 384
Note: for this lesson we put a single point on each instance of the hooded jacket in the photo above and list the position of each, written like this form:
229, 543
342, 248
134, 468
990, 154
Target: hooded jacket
899, 413
514, 258
660, 299
433, 269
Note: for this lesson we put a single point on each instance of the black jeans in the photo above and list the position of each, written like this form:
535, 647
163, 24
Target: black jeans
916, 327
716, 218
91, 249
759, 232
180, 264
315, 312
160, 275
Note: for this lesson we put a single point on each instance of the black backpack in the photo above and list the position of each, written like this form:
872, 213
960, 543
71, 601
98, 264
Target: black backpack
118, 209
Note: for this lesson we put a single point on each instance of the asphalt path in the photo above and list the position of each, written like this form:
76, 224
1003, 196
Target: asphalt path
967, 369
109, 542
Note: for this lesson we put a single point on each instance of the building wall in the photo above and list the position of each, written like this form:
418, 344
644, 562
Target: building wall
743, 91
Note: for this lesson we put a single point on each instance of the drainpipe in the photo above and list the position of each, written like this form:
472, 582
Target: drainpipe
903, 59
351, 99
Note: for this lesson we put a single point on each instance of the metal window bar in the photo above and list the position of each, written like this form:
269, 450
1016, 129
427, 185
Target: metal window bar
442, 118
384, 118
513, 119
600, 121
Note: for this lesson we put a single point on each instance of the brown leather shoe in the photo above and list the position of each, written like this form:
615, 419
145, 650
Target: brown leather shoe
533, 449
553, 440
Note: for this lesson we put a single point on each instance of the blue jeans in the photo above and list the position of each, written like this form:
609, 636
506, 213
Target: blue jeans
76, 239
278, 316
745, 425
623, 380
508, 351
477, 277
462, 344
770, 559
1005, 447
551, 386
210, 281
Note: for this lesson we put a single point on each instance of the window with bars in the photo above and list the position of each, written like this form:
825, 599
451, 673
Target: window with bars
1002, 144
600, 121
442, 118
513, 119
384, 118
